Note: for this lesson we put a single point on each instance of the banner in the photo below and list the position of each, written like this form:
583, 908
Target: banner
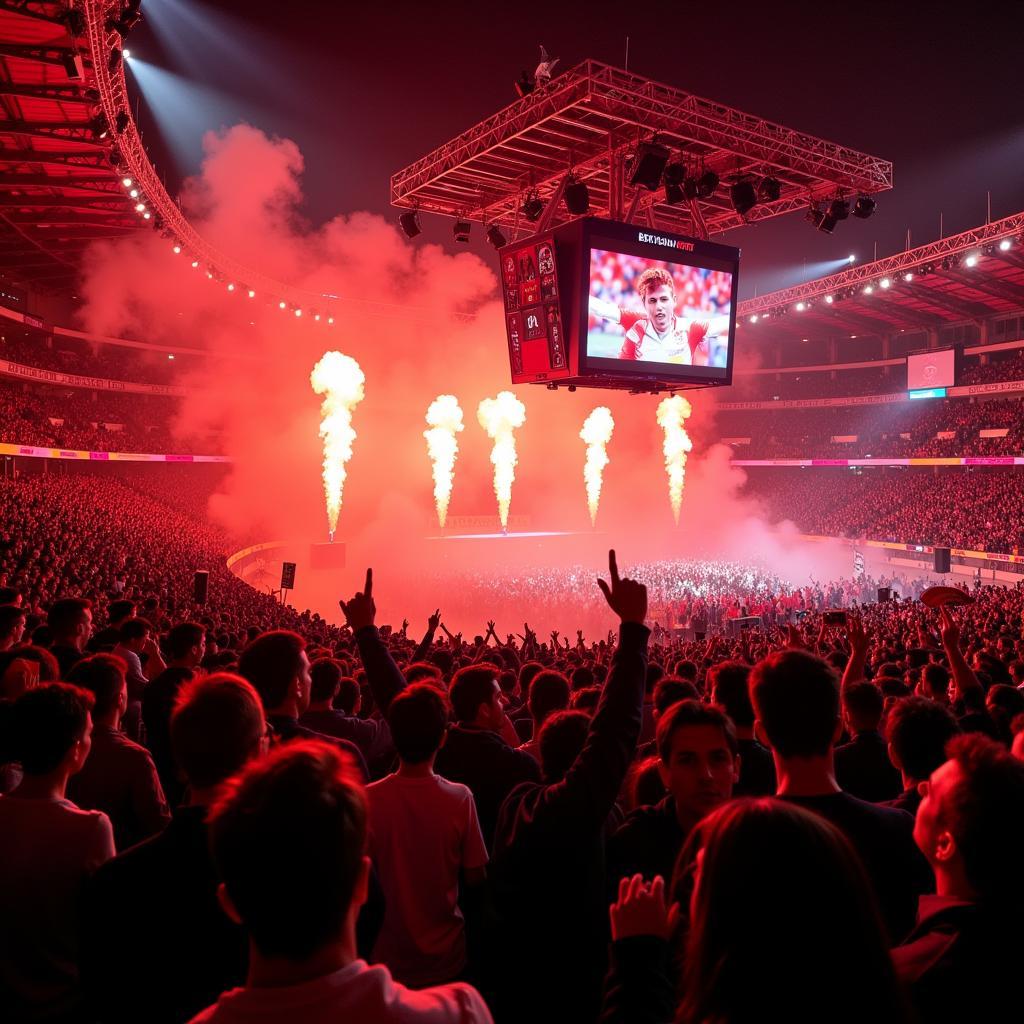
37, 375
994, 460
33, 452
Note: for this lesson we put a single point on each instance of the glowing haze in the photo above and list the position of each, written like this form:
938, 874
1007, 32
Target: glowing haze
444, 419
340, 380
672, 416
500, 417
596, 432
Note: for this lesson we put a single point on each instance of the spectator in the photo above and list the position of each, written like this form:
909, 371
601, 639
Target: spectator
918, 730
48, 847
118, 613
729, 685
169, 962
119, 778
12, 625
70, 624
549, 692
862, 766
289, 842
424, 834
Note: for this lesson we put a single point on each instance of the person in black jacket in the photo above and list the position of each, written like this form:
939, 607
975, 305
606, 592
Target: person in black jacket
918, 730
863, 767
548, 870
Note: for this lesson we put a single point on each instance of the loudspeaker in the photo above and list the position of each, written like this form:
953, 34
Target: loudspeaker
941, 559
201, 585
884, 593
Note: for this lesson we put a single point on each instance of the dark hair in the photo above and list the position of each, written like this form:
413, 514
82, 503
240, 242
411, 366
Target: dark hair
63, 616
9, 595
549, 692
183, 637
507, 681
527, 671
586, 699
688, 713
796, 697
919, 729
9, 616
49, 669
417, 670
985, 813
561, 739
864, 704
671, 690
288, 838
270, 663
767, 860
472, 687
215, 727
103, 675
654, 673
686, 669
348, 695
729, 686
936, 679
582, 677
117, 610
326, 674
45, 723
134, 629
418, 718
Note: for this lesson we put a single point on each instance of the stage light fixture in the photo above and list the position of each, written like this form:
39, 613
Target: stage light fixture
99, 126
800, 307
864, 207
252, 294
769, 190
75, 21
648, 165
121, 122
577, 198
134, 193
139, 207
495, 237
868, 289
707, 185
114, 60
195, 264
839, 209
282, 304
127, 54
330, 320
231, 287
885, 283
851, 258
176, 250
146, 215
829, 300
298, 312
821, 219
74, 66
524, 84
972, 260
675, 177
908, 276
410, 223
532, 207
127, 182
1004, 245
461, 230
743, 196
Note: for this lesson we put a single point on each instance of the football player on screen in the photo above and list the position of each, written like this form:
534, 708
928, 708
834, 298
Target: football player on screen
658, 335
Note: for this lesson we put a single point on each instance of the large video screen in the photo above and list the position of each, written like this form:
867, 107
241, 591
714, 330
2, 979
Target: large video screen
932, 370
662, 315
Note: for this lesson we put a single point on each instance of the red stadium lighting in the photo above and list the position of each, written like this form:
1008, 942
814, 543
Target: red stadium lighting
176, 250
885, 282
195, 264
1004, 245
829, 299
800, 307
282, 304
868, 289
252, 294
972, 260
908, 276
298, 312
231, 287
753, 318
330, 320
127, 182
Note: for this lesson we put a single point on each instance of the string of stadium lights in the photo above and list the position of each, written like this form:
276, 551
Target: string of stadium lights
886, 283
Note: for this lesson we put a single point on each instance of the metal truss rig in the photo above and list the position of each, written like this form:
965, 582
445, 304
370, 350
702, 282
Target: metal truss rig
857, 278
588, 122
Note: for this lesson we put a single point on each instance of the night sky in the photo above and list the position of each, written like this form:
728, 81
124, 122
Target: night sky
365, 89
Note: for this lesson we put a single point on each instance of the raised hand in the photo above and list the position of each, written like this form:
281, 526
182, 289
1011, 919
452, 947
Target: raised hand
405, 626
640, 909
625, 597
554, 637
950, 632
361, 611
434, 621
858, 636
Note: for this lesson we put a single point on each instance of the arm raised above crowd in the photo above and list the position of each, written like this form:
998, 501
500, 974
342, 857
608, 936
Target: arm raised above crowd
964, 678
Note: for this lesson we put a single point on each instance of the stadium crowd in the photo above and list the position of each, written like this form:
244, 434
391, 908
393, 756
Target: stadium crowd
234, 812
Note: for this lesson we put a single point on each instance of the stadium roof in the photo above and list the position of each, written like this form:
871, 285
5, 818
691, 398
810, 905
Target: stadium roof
590, 120
970, 277
59, 190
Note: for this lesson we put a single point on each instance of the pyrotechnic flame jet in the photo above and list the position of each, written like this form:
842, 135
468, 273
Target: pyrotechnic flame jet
672, 416
500, 416
596, 432
444, 418
340, 380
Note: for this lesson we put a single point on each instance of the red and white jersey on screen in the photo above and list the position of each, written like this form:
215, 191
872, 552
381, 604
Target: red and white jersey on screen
679, 344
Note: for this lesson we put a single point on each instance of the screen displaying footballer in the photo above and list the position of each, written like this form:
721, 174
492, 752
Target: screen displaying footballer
644, 310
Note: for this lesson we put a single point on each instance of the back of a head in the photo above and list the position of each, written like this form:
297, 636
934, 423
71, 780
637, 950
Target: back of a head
472, 687
549, 692
527, 671
418, 719
796, 698
46, 722
348, 696
864, 705
216, 726
586, 700
729, 685
582, 677
935, 678
134, 629
288, 838
325, 674
270, 663
671, 690
686, 669
118, 610
65, 614
103, 676
770, 863
984, 812
654, 673
918, 730
561, 740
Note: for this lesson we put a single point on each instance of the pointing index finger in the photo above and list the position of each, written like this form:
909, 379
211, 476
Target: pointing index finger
613, 567
368, 588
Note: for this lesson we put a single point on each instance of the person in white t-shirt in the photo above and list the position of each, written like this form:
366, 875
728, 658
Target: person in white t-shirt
289, 841
48, 848
424, 832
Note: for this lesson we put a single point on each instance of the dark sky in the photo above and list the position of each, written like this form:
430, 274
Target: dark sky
366, 88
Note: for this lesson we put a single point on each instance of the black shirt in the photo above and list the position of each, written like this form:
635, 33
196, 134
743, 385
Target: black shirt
648, 843
757, 770
863, 768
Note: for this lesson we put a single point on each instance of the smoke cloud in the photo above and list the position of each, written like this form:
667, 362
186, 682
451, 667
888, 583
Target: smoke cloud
420, 322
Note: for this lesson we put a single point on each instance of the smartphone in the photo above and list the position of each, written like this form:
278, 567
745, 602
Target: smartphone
835, 617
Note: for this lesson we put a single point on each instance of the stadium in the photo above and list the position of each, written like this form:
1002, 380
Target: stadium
480, 537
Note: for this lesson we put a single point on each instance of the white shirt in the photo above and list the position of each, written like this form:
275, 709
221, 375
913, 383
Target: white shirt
356, 993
